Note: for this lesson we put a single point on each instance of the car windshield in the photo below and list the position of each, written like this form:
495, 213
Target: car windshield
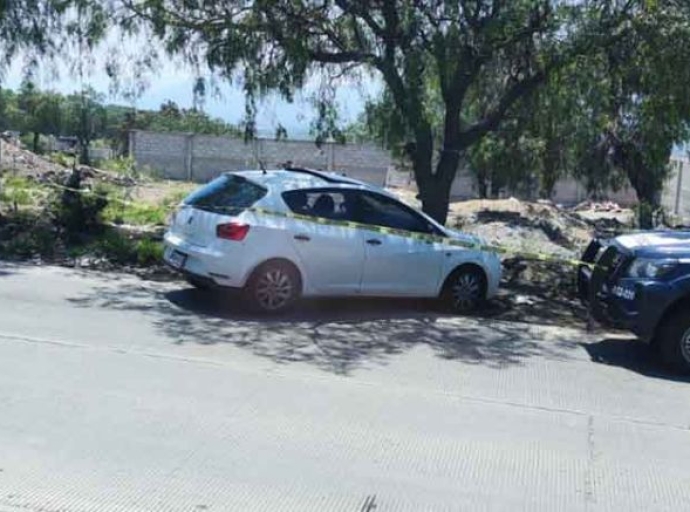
226, 194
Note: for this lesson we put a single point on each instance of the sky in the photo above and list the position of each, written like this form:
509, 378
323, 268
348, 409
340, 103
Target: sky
176, 82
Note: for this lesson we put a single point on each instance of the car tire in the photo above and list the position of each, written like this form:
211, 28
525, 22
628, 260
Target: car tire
273, 288
465, 290
674, 341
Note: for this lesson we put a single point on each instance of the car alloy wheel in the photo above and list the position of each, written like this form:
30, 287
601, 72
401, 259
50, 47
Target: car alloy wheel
274, 289
466, 291
685, 346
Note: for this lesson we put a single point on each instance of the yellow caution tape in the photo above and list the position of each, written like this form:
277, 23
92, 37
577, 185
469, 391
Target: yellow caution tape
477, 246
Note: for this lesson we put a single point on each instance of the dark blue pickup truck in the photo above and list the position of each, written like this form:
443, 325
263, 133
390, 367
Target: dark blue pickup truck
641, 282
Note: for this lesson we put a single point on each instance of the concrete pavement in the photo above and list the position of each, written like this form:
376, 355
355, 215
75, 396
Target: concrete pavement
120, 394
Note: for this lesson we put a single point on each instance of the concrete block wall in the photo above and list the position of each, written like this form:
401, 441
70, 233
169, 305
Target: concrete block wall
363, 161
676, 196
166, 153
211, 156
202, 157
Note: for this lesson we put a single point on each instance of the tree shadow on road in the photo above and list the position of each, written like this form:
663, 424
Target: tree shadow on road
632, 355
335, 335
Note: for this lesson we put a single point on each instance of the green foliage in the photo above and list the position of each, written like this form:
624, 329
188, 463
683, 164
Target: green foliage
78, 212
27, 234
63, 159
149, 252
136, 213
30, 27
115, 247
86, 116
20, 191
607, 117
124, 165
174, 199
432, 57
124, 249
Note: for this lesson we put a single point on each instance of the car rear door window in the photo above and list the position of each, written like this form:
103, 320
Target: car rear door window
229, 194
329, 204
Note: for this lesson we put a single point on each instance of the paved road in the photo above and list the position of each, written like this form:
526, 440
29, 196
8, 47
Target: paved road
119, 394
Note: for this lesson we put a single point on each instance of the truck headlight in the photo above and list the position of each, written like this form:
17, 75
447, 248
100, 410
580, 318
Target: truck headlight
651, 269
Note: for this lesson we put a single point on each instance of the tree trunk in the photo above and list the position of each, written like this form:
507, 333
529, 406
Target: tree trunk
35, 142
482, 183
647, 182
649, 198
436, 201
434, 188
496, 187
84, 153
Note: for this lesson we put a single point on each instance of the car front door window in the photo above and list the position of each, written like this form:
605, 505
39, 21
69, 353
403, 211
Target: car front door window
379, 210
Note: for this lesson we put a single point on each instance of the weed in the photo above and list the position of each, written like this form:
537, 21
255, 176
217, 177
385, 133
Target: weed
149, 252
140, 214
18, 191
115, 247
126, 166
63, 159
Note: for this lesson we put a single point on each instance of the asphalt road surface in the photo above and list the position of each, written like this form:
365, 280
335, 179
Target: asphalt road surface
123, 395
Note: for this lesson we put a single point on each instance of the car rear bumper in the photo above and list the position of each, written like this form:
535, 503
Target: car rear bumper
203, 263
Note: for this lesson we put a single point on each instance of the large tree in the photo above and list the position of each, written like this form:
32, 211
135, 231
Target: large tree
42, 112
31, 28
276, 44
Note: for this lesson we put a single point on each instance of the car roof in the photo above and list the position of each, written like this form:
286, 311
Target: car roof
296, 178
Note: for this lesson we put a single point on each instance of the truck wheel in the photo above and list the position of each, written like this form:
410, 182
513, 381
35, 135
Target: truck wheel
674, 341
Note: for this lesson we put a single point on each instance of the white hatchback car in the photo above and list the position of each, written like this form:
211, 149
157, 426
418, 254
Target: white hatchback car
218, 238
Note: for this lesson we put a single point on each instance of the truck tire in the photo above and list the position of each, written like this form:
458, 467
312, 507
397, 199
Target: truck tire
674, 341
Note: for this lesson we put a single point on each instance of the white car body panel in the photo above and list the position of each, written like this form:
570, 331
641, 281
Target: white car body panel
401, 266
334, 261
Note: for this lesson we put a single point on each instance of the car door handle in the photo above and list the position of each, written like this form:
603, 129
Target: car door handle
374, 241
302, 238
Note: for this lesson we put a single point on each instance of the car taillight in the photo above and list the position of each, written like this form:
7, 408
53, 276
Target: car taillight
232, 231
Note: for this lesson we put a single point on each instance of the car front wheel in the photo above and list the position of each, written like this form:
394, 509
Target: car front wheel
273, 288
674, 341
465, 290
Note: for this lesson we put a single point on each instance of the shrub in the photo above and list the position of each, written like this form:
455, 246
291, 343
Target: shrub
115, 247
79, 211
63, 159
122, 165
149, 252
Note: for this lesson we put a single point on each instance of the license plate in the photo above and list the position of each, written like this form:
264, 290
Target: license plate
623, 293
175, 258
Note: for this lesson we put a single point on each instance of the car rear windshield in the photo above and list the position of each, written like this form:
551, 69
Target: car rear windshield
229, 194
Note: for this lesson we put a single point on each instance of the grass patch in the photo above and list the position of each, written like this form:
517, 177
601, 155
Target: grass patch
149, 252
140, 214
18, 191
122, 249
122, 165
63, 159
175, 199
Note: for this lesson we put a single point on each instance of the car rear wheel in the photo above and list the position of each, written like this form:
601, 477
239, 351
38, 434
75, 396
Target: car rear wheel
273, 288
674, 341
465, 290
